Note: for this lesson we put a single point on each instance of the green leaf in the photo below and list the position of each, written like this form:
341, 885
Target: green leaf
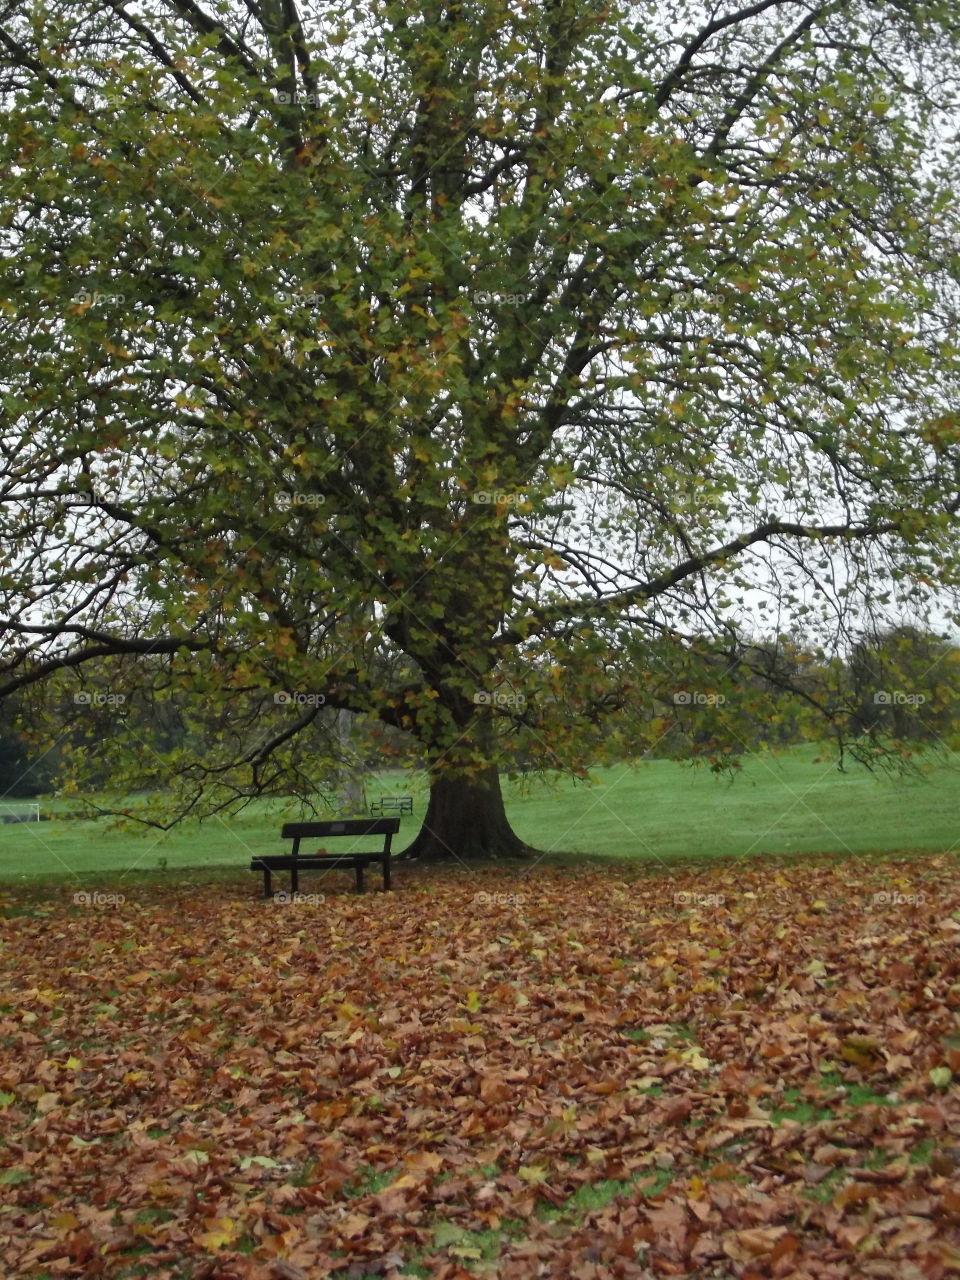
448, 1233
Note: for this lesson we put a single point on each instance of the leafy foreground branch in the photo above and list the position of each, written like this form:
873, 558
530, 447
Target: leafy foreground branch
738, 1072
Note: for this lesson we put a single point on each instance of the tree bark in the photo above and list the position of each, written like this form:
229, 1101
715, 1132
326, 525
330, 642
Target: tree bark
353, 795
466, 819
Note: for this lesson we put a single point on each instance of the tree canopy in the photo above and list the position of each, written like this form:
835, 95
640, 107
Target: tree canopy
438, 361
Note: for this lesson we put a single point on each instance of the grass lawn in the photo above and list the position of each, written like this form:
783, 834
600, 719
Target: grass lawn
796, 802
607, 1073
793, 802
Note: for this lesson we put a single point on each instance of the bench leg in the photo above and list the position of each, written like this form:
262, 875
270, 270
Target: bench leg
386, 873
266, 882
294, 878
359, 867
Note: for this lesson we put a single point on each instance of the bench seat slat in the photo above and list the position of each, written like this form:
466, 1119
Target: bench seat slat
283, 861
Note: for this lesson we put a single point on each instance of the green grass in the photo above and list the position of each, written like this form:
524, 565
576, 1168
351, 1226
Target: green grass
781, 803
472, 1247
593, 1196
801, 1113
367, 1181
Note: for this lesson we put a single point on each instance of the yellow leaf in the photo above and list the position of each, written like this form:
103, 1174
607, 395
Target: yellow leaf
473, 1001
221, 1231
694, 1058
424, 1161
533, 1173
354, 1224
402, 1183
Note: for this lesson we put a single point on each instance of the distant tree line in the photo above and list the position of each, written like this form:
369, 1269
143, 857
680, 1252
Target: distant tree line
891, 693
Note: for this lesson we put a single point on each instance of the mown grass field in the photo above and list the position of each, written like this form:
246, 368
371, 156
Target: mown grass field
789, 803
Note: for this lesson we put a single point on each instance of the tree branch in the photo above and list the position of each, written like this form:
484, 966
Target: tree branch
539, 619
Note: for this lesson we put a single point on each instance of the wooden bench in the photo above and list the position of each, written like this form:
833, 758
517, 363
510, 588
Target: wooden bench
295, 862
393, 804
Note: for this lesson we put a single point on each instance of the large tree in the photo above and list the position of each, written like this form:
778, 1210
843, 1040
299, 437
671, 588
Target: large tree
427, 360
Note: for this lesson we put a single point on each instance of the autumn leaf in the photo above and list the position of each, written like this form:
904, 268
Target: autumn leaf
219, 1233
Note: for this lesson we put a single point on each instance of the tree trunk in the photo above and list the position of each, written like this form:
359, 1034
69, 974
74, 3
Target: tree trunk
353, 796
466, 819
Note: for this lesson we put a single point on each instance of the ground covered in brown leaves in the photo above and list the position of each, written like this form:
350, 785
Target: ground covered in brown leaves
578, 1073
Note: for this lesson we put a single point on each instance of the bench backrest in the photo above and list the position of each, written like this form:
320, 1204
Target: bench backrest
297, 831
358, 827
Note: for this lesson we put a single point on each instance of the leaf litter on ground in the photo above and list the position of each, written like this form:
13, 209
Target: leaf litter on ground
744, 1071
